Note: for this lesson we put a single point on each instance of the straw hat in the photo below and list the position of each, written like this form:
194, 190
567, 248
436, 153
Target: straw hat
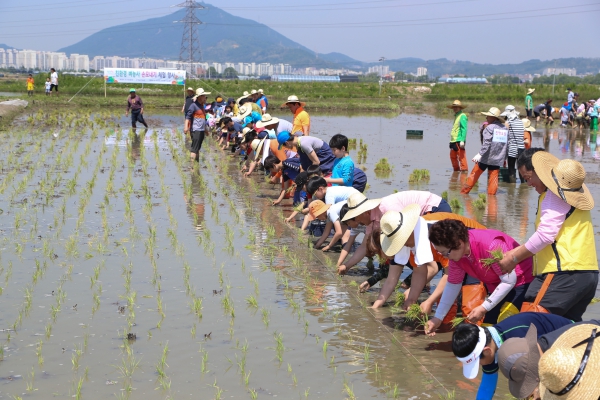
527, 125
245, 110
253, 91
200, 92
267, 120
190, 89
317, 207
493, 112
456, 103
559, 366
260, 91
564, 178
529, 91
293, 99
358, 204
396, 228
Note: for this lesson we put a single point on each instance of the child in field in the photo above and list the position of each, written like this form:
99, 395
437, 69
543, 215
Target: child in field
343, 166
331, 214
48, 86
300, 196
317, 188
289, 169
30, 83
310, 149
359, 180
228, 112
564, 115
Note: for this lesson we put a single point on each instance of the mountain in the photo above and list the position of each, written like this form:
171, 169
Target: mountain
224, 37
5, 46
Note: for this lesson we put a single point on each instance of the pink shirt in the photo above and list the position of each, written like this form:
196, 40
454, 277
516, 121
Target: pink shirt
553, 213
490, 276
398, 201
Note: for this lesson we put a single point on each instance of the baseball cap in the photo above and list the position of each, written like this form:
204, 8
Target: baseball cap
471, 362
518, 359
282, 138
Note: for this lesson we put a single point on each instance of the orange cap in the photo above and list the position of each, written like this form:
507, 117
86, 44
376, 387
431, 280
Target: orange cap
317, 208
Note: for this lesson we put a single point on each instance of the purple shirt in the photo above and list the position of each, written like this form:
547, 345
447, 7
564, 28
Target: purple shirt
135, 104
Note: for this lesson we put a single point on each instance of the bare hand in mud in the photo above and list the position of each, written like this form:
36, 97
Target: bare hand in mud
476, 314
288, 220
342, 269
247, 174
364, 286
244, 168
275, 202
432, 326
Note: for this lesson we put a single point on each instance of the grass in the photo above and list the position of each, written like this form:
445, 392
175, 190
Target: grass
419, 175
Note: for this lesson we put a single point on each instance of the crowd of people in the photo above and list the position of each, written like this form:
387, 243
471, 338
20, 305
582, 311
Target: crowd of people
522, 304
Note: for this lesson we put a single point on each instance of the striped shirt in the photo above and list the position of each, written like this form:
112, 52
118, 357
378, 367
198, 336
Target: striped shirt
515, 136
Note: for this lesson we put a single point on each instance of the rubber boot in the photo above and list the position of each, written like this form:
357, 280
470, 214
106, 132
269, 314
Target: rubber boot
472, 179
462, 160
454, 160
493, 181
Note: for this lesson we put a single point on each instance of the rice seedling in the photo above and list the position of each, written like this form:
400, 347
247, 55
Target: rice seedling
279, 349
496, 256
457, 321
383, 166
445, 195
450, 395
251, 301
419, 175
253, 394
30, 381
480, 202
349, 391
400, 299
414, 314
455, 204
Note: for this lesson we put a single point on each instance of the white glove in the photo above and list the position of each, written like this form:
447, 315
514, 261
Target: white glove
462, 145
476, 158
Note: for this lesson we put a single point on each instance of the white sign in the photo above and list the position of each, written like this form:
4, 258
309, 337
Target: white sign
143, 75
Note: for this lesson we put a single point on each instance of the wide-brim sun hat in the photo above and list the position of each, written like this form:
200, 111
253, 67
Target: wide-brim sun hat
456, 103
257, 148
357, 204
530, 90
527, 125
260, 91
190, 88
253, 91
396, 227
493, 112
267, 120
509, 109
293, 99
560, 366
245, 110
564, 178
518, 360
200, 92
317, 207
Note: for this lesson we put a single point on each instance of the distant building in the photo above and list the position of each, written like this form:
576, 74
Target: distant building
421, 71
463, 80
379, 70
560, 71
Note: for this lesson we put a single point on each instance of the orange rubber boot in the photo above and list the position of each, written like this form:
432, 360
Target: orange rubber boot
493, 181
472, 179
454, 160
462, 160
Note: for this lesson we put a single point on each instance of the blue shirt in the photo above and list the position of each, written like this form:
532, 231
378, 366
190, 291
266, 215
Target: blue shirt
343, 168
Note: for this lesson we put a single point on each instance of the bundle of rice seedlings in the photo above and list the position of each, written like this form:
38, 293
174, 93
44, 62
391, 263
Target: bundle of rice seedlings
383, 165
496, 255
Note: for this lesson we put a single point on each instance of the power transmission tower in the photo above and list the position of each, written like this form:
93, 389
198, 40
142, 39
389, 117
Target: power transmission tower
190, 52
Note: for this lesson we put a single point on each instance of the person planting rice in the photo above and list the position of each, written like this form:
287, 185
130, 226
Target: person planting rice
343, 166
476, 253
331, 214
274, 125
476, 346
563, 245
562, 364
529, 103
492, 154
300, 196
286, 170
318, 189
310, 149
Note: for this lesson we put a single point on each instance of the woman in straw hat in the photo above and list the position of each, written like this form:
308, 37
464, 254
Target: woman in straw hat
458, 137
492, 154
195, 123
529, 103
563, 244
528, 130
470, 253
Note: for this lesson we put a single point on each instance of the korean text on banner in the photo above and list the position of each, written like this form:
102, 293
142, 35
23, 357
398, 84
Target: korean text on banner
142, 75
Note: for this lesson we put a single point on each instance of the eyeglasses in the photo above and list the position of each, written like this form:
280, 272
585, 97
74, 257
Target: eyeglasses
561, 191
584, 361
446, 254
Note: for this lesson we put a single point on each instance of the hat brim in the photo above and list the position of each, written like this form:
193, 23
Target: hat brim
261, 124
530, 91
410, 216
322, 210
456, 105
364, 207
245, 114
524, 388
302, 104
543, 163
258, 149
489, 114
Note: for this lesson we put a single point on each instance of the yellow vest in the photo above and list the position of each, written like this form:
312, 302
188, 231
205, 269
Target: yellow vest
455, 132
574, 248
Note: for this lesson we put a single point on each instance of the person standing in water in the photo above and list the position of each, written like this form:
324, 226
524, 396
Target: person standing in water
458, 136
136, 106
529, 103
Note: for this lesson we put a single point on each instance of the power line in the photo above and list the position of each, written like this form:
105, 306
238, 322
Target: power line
190, 51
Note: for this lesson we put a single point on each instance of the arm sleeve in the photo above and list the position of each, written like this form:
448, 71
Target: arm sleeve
553, 214
487, 388
449, 295
507, 281
462, 131
488, 132
380, 274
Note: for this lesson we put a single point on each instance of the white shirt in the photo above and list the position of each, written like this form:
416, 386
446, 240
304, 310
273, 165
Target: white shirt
333, 213
335, 194
54, 78
422, 249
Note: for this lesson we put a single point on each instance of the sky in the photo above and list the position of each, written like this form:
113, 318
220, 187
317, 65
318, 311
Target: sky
482, 31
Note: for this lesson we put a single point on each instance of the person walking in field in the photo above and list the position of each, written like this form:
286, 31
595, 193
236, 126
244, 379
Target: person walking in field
136, 106
529, 103
30, 83
458, 136
492, 154
195, 123
53, 81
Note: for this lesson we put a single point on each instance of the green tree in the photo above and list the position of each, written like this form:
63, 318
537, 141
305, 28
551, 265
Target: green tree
230, 73
212, 73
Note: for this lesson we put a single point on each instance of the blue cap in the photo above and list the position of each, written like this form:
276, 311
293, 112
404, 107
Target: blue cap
283, 137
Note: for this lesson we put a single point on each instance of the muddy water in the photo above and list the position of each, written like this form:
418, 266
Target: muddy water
105, 234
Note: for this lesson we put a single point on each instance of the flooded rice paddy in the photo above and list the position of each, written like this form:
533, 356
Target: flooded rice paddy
124, 274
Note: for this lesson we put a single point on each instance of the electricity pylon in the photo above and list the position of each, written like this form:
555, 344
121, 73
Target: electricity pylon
190, 52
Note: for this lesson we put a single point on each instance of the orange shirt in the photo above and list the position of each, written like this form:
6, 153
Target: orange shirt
30, 83
301, 118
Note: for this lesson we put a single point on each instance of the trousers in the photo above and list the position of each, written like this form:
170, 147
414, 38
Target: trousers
458, 159
493, 172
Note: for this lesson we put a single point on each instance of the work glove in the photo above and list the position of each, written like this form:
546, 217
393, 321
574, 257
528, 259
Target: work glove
477, 158
462, 145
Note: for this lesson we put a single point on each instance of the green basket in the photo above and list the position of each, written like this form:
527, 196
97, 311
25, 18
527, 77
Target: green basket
414, 133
